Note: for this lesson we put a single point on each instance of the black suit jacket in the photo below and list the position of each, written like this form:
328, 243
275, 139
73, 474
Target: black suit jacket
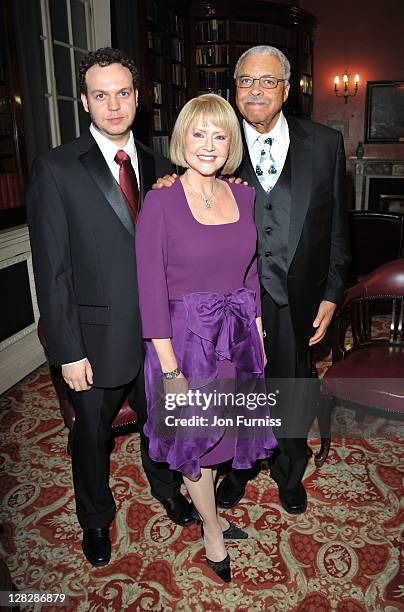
83, 248
318, 248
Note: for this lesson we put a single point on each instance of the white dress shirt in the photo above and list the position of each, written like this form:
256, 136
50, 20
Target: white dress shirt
280, 142
109, 150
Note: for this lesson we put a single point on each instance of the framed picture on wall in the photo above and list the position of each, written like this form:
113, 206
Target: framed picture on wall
342, 125
384, 111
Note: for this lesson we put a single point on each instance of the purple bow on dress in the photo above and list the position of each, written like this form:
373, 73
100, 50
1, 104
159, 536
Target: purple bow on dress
220, 326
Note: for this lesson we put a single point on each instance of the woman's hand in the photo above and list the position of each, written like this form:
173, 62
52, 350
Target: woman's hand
177, 387
261, 332
264, 353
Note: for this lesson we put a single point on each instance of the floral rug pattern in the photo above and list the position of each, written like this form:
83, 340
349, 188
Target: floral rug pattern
344, 554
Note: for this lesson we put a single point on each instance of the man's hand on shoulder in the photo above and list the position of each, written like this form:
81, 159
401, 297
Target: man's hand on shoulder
166, 181
79, 376
237, 181
323, 319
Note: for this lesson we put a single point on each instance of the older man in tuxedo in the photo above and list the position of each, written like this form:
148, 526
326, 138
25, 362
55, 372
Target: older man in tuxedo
298, 170
82, 205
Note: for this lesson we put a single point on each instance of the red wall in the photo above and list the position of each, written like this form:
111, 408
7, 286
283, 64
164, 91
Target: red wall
360, 36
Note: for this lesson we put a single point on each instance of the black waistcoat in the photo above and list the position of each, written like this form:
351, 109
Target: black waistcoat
272, 216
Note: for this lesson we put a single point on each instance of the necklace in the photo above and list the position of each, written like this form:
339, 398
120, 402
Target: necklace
207, 200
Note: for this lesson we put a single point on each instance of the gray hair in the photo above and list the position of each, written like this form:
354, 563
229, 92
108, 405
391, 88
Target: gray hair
266, 50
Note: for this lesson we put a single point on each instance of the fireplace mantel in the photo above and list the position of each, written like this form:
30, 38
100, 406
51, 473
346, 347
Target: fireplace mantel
372, 167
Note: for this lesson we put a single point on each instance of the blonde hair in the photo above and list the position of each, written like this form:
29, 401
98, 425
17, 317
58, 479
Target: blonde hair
208, 108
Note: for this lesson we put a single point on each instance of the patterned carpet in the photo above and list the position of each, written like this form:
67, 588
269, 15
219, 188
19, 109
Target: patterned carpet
342, 555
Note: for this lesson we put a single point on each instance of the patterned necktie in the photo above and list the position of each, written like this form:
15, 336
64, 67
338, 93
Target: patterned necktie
128, 183
266, 167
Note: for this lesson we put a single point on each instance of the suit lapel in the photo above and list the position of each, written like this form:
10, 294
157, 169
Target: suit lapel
147, 170
301, 159
93, 160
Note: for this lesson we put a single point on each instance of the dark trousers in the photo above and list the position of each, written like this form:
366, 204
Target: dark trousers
288, 462
90, 444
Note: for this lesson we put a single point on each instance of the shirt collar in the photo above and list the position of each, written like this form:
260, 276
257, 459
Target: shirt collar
109, 149
280, 132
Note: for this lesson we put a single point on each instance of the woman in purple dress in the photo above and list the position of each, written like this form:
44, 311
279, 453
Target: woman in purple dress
201, 316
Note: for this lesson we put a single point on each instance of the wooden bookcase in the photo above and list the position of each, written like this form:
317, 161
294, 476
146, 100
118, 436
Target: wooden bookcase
221, 31
164, 69
13, 165
189, 47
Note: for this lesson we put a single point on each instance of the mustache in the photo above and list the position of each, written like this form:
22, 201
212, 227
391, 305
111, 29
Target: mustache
253, 100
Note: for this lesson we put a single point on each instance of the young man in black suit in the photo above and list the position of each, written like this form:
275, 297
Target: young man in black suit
297, 168
82, 205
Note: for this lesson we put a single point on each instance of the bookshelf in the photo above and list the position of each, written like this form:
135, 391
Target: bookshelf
221, 31
13, 166
163, 68
190, 47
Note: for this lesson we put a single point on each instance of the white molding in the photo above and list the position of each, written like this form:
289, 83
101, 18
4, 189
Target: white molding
19, 360
50, 74
21, 353
101, 23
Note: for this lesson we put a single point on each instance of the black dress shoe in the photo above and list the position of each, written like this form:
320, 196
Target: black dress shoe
295, 500
229, 493
97, 546
179, 510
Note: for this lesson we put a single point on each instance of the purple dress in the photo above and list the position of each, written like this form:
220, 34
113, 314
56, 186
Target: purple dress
198, 285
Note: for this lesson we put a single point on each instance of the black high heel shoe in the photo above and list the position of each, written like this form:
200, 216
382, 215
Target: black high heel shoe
234, 533
221, 568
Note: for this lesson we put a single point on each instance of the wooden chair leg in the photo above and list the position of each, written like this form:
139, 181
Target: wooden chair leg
326, 406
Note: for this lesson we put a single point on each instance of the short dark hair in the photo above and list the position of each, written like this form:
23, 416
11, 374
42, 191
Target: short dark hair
105, 57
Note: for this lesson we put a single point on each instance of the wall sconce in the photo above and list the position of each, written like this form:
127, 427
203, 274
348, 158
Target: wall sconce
345, 92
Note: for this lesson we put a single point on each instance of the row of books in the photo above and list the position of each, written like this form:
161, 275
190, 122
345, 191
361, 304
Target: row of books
157, 93
157, 66
273, 35
212, 54
159, 120
224, 93
214, 79
179, 98
161, 144
176, 24
179, 75
10, 196
177, 49
158, 13
213, 29
154, 41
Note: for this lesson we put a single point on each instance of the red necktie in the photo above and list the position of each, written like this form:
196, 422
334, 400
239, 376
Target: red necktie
128, 183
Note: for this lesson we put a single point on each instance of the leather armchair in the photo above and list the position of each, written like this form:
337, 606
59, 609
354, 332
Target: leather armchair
367, 374
376, 238
126, 416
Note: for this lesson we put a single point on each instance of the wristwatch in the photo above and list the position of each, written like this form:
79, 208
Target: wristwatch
173, 374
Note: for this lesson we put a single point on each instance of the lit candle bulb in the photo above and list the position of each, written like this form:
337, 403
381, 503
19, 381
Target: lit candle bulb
336, 83
345, 77
356, 79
